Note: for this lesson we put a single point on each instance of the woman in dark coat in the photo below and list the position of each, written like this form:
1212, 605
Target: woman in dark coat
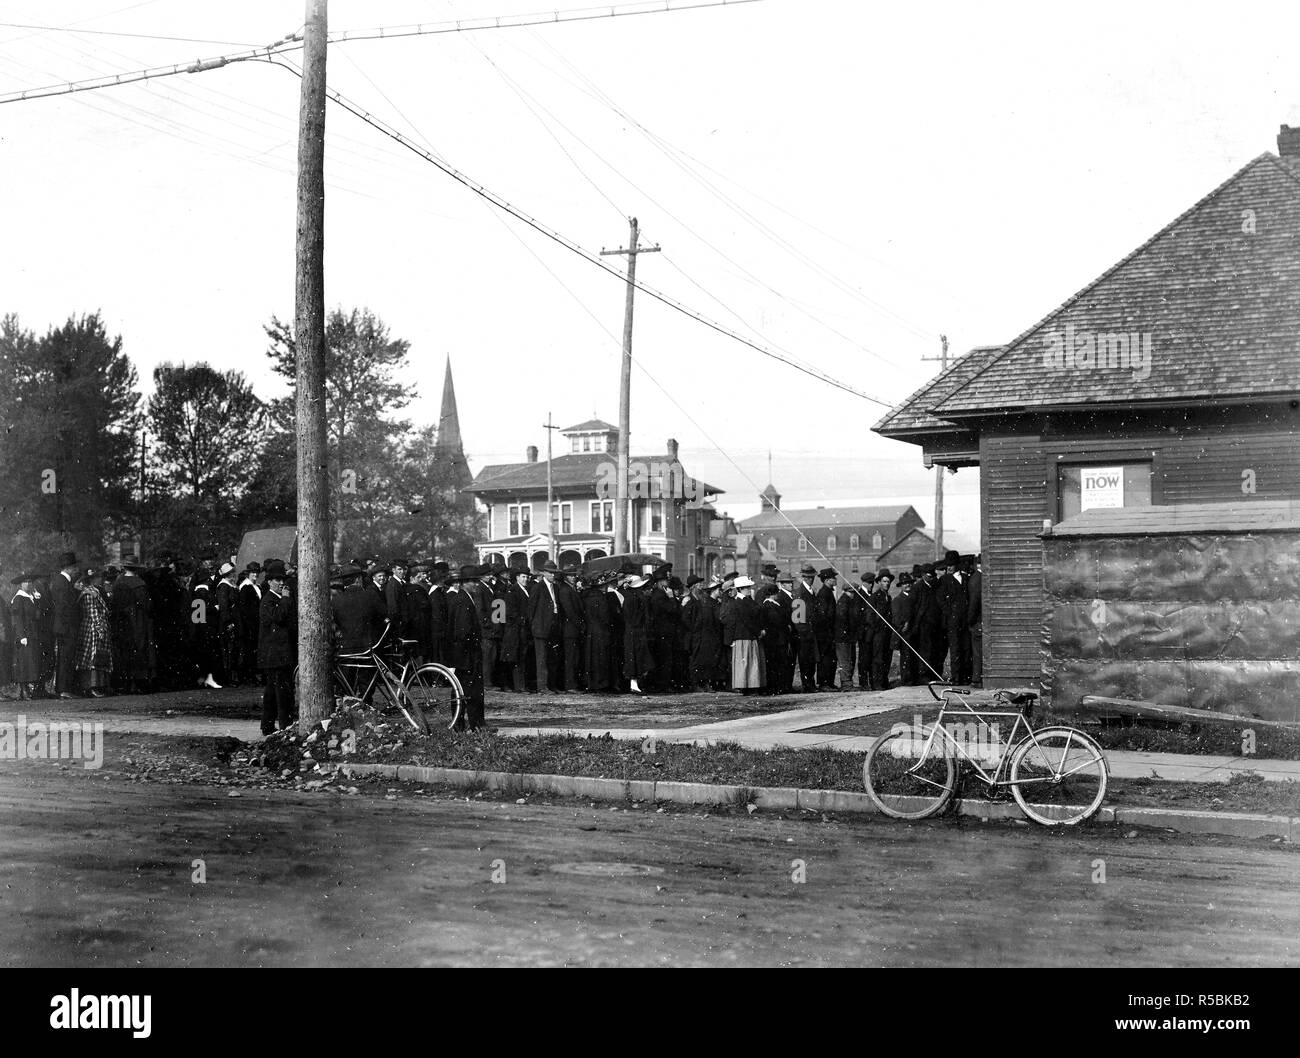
706, 638
6, 644
131, 621
637, 621
26, 633
600, 636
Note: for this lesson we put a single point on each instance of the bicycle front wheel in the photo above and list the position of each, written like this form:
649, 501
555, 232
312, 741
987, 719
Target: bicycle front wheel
902, 781
437, 692
1058, 776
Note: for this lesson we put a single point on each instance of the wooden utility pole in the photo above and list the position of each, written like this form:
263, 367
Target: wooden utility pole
550, 492
938, 468
315, 699
623, 503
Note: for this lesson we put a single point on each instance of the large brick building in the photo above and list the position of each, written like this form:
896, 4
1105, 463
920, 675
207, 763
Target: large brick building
851, 538
673, 513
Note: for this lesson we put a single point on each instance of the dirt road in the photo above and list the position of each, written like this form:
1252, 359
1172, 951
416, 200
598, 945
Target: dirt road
98, 871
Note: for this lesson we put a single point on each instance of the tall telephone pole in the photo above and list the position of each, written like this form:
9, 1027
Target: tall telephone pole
623, 505
315, 699
938, 468
550, 492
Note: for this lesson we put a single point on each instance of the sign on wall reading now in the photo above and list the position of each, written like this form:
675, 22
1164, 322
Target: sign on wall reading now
1102, 487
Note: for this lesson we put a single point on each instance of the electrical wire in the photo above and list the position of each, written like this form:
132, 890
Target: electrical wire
117, 33
569, 244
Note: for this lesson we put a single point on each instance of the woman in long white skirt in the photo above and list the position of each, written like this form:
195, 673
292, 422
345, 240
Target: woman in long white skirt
743, 627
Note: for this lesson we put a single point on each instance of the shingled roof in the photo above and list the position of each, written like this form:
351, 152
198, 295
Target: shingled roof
1214, 296
829, 517
569, 471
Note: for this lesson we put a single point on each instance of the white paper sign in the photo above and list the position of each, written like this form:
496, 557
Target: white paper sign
1101, 487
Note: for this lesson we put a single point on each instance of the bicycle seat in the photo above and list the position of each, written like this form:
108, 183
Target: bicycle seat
957, 690
1022, 698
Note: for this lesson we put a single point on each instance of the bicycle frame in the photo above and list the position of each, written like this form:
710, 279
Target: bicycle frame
1012, 741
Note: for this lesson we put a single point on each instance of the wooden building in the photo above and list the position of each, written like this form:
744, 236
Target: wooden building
1173, 378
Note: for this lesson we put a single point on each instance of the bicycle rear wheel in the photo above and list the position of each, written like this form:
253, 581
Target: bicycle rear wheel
437, 692
904, 785
1058, 776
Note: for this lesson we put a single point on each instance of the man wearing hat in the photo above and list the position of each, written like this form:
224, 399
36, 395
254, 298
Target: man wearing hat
67, 617
824, 629
903, 614
130, 614
277, 647
776, 640
226, 598
464, 650
849, 611
880, 608
767, 582
547, 627
573, 627
358, 614
517, 639
26, 636
803, 606
435, 645
929, 626
395, 599
954, 605
665, 622
250, 608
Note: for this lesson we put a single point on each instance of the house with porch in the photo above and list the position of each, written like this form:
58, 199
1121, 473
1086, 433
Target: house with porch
1171, 379
673, 516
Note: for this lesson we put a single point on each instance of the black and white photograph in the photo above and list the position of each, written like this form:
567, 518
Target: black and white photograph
669, 484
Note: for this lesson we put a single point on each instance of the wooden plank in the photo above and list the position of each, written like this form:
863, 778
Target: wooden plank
1096, 703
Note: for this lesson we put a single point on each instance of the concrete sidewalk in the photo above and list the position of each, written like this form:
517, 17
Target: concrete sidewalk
787, 728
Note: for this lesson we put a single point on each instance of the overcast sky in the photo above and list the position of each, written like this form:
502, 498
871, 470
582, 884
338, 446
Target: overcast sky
842, 181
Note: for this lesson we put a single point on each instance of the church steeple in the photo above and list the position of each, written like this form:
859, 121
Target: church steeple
449, 446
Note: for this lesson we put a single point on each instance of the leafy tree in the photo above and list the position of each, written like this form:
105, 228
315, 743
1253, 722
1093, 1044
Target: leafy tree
69, 417
208, 431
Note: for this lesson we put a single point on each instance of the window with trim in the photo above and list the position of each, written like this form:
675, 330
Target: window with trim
656, 516
562, 517
877, 542
853, 542
771, 543
602, 516
831, 542
520, 516
1084, 486
586, 444
573, 444
598, 444
803, 542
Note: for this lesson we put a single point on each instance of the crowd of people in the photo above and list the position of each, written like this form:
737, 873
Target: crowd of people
79, 631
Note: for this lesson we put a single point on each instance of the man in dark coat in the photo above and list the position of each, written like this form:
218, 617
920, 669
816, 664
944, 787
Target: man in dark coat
395, 599
824, 629
954, 605
518, 637
785, 598
27, 645
598, 617
903, 613
882, 632
358, 614
665, 619
464, 649
490, 600
435, 647
277, 644
617, 681
547, 627
848, 626
975, 622
638, 662
204, 623
226, 597
776, 642
67, 618
931, 641
767, 582
250, 610
130, 610
573, 628
803, 608
417, 609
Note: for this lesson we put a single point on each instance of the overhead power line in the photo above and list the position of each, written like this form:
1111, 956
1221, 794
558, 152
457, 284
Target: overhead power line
121, 33
293, 42
569, 244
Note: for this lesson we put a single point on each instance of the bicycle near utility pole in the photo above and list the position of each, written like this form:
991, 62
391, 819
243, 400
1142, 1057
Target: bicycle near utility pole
1057, 774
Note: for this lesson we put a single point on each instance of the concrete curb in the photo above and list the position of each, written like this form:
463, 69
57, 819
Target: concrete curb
1189, 821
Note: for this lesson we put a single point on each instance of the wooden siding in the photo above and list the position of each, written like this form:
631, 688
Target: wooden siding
1197, 457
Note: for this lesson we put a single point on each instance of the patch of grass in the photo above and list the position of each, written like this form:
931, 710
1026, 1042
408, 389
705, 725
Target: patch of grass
1228, 739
